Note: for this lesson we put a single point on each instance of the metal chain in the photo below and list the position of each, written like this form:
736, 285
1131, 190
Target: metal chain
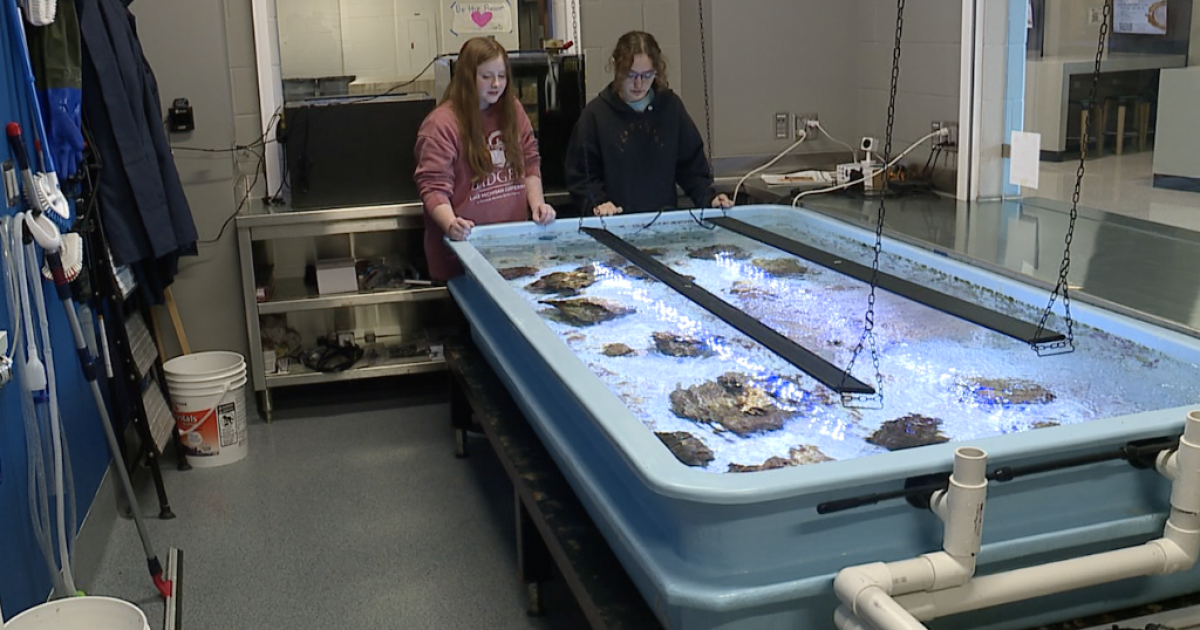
868, 336
1064, 270
708, 132
589, 201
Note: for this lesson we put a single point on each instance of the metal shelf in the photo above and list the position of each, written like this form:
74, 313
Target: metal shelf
300, 375
288, 223
415, 310
291, 295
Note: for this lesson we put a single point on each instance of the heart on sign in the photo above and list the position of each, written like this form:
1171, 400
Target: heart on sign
481, 18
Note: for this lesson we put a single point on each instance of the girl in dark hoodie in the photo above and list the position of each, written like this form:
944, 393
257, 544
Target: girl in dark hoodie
635, 141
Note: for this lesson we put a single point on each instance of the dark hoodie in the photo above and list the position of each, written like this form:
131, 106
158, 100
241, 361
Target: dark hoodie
635, 159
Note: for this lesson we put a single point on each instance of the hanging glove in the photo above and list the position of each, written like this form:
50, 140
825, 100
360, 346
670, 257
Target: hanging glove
64, 134
55, 52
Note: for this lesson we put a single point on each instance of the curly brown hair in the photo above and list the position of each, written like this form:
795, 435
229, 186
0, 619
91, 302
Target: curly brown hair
630, 45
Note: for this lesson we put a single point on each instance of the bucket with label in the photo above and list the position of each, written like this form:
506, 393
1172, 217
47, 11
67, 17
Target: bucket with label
81, 613
208, 401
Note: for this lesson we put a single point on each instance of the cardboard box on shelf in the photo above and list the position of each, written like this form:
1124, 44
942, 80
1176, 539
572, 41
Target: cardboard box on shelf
336, 276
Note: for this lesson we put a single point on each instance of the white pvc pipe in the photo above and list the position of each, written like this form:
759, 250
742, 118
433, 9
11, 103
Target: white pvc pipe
882, 611
1037, 581
965, 498
1176, 551
1185, 491
845, 620
867, 590
910, 576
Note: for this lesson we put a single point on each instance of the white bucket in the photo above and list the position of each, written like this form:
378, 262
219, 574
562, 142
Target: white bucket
209, 404
81, 613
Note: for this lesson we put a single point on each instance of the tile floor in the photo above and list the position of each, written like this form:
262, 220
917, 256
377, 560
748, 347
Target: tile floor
1122, 185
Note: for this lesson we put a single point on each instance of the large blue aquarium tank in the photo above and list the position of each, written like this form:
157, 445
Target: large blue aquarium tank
702, 453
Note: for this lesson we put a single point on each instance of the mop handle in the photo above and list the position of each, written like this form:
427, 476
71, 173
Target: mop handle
17, 144
54, 260
17, 27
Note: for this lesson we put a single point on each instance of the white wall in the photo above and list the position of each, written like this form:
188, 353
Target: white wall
365, 38
1178, 135
1068, 29
831, 58
310, 38
929, 67
212, 64
781, 56
1194, 46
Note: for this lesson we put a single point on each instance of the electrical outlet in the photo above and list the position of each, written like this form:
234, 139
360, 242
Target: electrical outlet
806, 123
782, 125
1095, 15
949, 125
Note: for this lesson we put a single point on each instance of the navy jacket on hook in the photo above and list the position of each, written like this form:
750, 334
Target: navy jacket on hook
142, 206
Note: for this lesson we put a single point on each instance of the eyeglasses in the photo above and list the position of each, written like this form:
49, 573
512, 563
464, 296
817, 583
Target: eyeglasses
644, 76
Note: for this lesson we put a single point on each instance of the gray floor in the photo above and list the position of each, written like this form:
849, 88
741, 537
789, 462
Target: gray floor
344, 515
1122, 184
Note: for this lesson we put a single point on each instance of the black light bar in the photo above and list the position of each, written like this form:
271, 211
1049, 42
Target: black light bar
999, 322
820, 369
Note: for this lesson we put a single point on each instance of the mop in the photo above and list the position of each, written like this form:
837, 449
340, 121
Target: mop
41, 189
44, 231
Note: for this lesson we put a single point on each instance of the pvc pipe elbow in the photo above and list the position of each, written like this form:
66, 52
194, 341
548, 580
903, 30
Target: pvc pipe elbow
1183, 468
949, 571
852, 582
843, 619
1167, 464
939, 504
1171, 558
884, 613
1180, 543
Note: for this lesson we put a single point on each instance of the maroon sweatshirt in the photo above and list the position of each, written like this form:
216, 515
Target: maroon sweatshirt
442, 177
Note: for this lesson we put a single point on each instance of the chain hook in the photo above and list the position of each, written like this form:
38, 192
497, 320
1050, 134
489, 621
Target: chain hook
867, 339
1064, 270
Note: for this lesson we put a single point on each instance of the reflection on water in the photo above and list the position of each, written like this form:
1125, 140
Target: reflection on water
724, 403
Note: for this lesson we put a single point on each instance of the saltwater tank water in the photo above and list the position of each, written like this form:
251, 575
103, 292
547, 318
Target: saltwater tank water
691, 377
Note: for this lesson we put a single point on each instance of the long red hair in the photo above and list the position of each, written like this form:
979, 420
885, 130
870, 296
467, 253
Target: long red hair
463, 95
